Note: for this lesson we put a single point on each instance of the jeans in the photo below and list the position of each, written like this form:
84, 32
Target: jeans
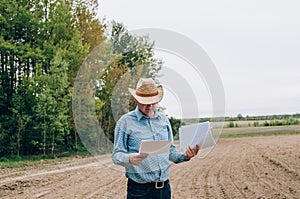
147, 191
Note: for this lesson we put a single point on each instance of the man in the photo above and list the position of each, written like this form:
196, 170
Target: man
147, 174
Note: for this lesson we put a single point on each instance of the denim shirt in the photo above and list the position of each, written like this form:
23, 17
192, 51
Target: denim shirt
130, 130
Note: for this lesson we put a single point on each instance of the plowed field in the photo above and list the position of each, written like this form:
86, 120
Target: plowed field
252, 167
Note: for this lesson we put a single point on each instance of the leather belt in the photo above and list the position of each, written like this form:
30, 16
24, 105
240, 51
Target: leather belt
157, 184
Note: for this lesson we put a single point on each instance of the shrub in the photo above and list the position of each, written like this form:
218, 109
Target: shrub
255, 124
230, 125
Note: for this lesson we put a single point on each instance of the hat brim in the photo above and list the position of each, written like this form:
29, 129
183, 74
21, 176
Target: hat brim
148, 100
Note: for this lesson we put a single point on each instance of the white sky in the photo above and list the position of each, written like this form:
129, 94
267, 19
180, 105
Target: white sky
254, 44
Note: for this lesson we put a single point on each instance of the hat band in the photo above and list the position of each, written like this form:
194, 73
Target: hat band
146, 94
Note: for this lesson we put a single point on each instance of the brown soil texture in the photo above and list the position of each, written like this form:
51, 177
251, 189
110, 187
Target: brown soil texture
252, 167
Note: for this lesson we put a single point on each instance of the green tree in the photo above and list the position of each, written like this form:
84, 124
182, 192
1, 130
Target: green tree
89, 26
133, 59
175, 123
19, 52
42, 45
52, 105
240, 117
31, 34
21, 109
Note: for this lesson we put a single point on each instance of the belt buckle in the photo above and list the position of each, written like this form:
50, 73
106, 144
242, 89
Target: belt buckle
158, 186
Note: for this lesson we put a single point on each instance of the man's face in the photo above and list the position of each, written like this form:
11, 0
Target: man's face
147, 109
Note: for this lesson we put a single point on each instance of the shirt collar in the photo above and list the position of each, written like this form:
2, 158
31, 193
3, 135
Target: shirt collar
140, 115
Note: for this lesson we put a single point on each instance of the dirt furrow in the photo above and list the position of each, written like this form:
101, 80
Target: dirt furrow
182, 180
213, 186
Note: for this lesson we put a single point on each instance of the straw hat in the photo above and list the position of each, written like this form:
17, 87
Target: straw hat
147, 92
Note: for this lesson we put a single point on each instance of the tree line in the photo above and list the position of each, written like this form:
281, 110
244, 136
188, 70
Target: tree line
42, 46
240, 117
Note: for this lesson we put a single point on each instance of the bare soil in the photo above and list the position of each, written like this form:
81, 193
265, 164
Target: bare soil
251, 167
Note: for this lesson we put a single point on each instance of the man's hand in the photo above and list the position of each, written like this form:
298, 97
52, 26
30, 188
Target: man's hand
191, 152
137, 158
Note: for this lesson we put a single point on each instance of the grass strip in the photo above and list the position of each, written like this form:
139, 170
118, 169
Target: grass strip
35, 160
239, 135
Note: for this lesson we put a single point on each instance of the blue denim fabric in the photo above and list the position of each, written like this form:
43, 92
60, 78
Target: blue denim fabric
147, 191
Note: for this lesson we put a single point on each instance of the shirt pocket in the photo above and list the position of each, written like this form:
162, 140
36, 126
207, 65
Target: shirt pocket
163, 132
135, 138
